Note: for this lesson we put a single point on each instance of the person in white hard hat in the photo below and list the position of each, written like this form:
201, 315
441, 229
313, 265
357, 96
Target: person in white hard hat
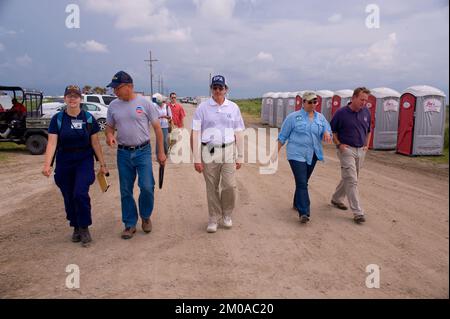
165, 117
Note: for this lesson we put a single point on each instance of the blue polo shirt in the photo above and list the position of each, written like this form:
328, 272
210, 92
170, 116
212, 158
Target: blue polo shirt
351, 127
304, 137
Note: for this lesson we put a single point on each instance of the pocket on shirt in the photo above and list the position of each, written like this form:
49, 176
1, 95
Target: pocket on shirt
300, 127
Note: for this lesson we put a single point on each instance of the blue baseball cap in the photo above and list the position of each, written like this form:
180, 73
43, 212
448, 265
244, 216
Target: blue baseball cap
218, 80
119, 78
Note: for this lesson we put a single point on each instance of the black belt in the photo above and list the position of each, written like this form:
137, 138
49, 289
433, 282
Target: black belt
218, 146
133, 148
211, 147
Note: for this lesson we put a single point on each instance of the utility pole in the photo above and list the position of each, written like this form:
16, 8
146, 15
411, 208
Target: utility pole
150, 61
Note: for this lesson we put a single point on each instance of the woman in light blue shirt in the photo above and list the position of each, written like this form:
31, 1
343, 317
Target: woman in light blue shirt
304, 131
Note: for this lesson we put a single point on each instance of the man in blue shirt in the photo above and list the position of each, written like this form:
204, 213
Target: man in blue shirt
304, 130
351, 134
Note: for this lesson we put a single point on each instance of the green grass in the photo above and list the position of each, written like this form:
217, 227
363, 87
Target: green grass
249, 106
7, 146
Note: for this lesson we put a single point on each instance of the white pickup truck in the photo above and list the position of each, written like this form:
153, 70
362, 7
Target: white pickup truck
99, 98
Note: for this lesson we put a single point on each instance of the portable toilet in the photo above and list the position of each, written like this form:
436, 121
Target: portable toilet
273, 109
383, 105
266, 100
340, 99
324, 103
281, 108
299, 100
291, 103
421, 123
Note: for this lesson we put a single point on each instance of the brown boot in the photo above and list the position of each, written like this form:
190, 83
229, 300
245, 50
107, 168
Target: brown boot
128, 232
146, 225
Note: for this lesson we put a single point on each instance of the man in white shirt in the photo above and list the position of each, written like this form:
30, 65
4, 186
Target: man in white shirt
165, 115
216, 133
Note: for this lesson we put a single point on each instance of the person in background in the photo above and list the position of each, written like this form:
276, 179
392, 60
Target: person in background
178, 113
165, 117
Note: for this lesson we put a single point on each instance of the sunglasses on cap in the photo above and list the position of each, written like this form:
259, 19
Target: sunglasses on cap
218, 87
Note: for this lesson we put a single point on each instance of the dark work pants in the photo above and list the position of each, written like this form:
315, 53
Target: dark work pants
74, 180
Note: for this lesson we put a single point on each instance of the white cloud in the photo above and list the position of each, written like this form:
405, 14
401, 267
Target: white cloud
88, 46
216, 9
265, 57
335, 18
4, 31
179, 35
24, 60
150, 16
379, 55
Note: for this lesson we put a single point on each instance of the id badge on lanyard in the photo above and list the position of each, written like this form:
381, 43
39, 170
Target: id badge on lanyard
77, 124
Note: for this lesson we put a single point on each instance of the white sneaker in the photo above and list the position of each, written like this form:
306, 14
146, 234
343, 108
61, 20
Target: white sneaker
212, 227
227, 222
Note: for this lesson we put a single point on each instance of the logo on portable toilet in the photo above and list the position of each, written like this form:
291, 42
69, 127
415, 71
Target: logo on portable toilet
298, 102
406, 105
432, 105
369, 105
390, 106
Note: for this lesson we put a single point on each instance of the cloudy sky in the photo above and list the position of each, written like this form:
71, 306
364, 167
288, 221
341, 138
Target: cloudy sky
259, 45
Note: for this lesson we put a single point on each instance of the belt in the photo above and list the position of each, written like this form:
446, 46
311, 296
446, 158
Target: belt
211, 147
132, 148
218, 146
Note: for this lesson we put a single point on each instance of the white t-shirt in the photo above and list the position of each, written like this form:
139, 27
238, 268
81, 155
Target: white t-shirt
218, 123
164, 110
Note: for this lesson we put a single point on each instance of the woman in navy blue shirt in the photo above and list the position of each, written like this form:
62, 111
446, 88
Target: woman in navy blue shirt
304, 130
72, 134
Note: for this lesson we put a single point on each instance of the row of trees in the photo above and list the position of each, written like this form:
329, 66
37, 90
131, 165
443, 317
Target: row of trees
87, 89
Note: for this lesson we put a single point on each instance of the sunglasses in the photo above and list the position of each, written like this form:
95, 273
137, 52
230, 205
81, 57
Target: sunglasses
311, 102
217, 87
173, 97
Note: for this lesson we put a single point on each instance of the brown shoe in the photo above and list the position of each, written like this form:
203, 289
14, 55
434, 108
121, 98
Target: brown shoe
339, 205
128, 232
359, 219
146, 225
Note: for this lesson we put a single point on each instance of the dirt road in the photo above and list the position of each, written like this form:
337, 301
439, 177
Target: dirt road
267, 254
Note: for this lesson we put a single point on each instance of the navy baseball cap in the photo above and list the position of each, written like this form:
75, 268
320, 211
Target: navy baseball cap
218, 80
119, 78
72, 89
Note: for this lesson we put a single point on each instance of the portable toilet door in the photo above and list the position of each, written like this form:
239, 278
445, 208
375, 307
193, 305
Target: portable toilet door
324, 99
273, 110
340, 99
291, 103
265, 108
281, 108
298, 100
384, 111
421, 123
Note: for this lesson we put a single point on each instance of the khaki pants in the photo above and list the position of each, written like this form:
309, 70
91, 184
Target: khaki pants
220, 172
351, 160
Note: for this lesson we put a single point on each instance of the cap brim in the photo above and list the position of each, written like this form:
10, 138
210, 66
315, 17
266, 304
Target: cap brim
113, 85
72, 92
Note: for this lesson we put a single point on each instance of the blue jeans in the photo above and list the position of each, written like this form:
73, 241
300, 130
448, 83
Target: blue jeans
302, 172
129, 164
165, 139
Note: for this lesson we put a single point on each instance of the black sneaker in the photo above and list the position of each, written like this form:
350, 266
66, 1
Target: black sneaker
76, 237
359, 219
304, 219
85, 236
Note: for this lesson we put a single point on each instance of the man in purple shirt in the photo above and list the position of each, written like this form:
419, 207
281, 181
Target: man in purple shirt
351, 134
